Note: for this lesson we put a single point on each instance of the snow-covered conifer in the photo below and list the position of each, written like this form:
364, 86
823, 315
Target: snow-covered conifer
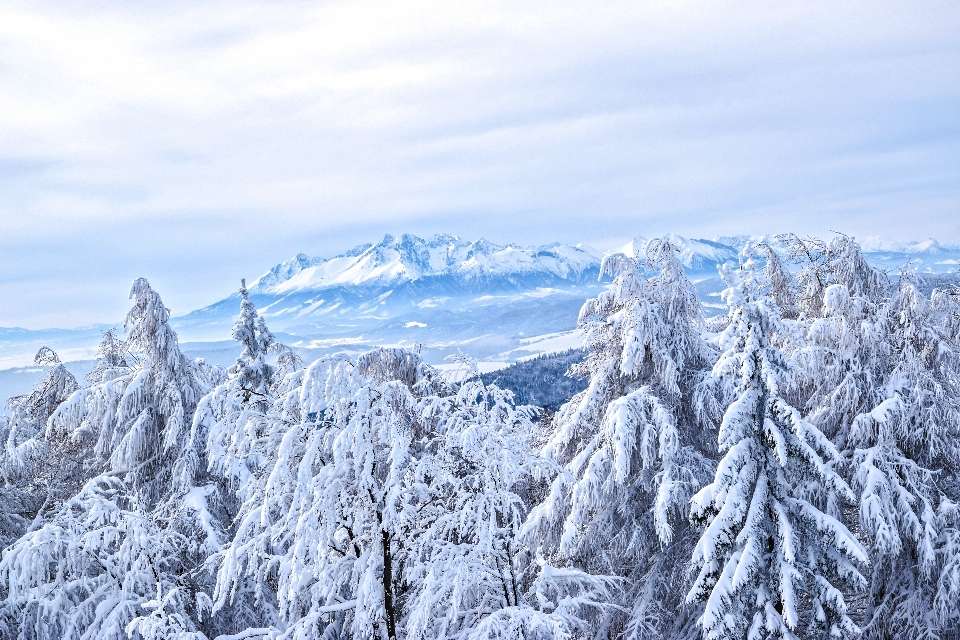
109, 561
469, 575
765, 548
33, 472
782, 285
382, 503
905, 459
813, 278
233, 433
844, 360
630, 445
111, 358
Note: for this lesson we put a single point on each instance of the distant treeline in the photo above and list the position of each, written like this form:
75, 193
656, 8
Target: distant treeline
544, 381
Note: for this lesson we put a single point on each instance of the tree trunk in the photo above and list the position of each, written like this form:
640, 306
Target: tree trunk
388, 586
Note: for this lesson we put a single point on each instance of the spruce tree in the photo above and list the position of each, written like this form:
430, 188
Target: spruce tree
767, 554
631, 445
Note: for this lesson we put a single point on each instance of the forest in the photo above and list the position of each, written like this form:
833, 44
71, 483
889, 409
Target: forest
789, 468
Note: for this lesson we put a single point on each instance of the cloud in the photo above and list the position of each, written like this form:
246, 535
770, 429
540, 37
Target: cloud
200, 144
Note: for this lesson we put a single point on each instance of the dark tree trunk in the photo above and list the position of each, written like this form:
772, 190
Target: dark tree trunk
388, 586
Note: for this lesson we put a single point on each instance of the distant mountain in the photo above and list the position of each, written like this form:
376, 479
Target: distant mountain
407, 258
928, 247
406, 288
927, 256
443, 295
450, 294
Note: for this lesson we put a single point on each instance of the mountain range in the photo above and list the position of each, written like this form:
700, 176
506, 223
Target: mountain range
442, 295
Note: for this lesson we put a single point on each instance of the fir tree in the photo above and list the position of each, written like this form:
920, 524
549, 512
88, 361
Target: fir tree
630, 445
765, 548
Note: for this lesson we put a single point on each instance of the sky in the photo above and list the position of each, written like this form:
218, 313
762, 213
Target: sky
195, 145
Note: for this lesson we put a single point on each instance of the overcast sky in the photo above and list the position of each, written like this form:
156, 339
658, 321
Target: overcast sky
197, 145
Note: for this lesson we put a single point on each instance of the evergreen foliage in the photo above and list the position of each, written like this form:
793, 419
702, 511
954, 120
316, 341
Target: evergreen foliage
788, 469
545, 381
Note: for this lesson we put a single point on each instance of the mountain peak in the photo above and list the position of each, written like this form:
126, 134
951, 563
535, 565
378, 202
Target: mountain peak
407, 258
284, 271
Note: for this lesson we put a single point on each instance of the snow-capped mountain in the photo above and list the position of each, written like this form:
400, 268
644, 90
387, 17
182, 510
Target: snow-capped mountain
396, 260
699, 257
927, 256
444, 294
406, 284
929, 247
445, 290
491, 301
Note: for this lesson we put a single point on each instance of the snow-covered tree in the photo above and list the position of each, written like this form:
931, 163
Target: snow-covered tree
905, 458
839, 261
33, 471
630, 445
845, 357
383, 503
782, 283
232, 417
111, 358
235, 437
768, 557
879, 379
469, 575
813, 277
110, 562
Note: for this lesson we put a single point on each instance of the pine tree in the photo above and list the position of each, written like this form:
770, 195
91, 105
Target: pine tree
905, 459
110, 561
766, 549
630, 445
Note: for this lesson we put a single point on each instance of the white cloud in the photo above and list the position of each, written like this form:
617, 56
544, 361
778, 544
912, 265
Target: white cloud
198, 144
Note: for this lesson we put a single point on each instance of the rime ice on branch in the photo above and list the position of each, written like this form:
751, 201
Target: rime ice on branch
765, 547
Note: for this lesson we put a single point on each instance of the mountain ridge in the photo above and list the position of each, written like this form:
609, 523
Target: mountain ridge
396, 259
451, 294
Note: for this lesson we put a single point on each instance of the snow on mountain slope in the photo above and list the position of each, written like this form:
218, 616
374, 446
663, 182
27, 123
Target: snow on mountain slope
407, 258
699, 257
876, 244
927, 256
444, 295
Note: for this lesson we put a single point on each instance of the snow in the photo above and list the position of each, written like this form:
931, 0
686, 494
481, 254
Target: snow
409, 258
457, 372
279, 498
549, 343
